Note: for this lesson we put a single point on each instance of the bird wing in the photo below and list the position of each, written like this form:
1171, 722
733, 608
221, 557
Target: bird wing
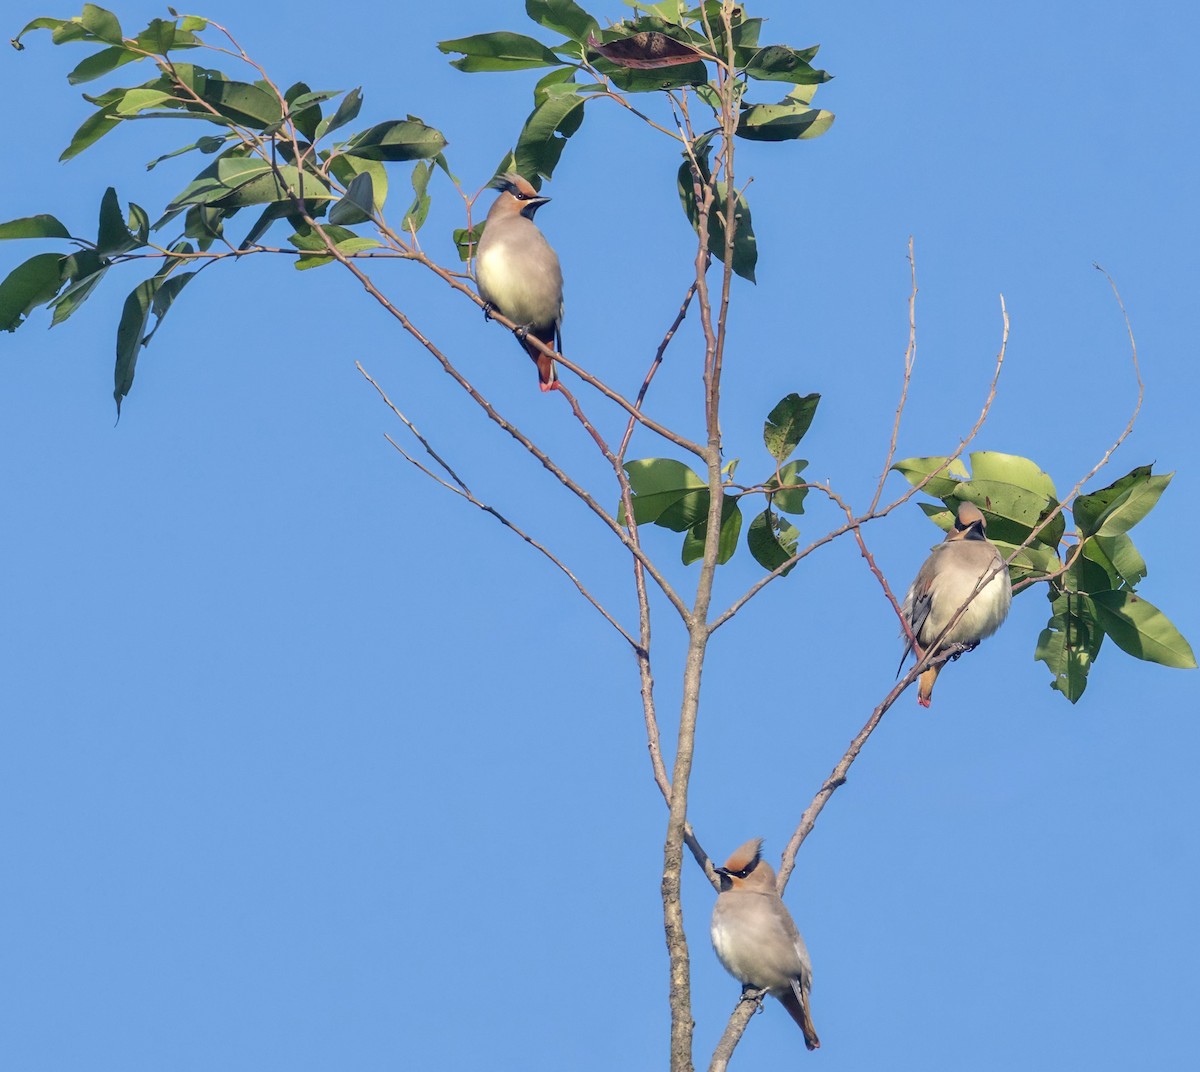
917, 605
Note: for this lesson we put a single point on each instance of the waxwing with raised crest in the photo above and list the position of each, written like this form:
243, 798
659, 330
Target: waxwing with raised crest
757, 940
518, 273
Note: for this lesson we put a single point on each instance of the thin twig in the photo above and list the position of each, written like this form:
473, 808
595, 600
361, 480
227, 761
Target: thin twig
458, 487
910, 357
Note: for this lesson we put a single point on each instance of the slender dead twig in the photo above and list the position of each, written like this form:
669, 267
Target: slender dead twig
910, 358
878, 512
654, 367
459, 487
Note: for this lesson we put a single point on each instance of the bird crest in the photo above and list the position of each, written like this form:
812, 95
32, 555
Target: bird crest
744, 858
517, 185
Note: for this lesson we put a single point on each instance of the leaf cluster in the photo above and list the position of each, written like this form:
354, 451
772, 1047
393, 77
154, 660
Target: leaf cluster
271, 153
671, 495
666, 47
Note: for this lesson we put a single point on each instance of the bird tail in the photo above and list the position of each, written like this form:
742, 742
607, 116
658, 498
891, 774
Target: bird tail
925, 689
547, 374
796, 1003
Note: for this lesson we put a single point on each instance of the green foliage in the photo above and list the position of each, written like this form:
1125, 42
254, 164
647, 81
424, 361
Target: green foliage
787, 422
663, 47
267, 155
669, 494
1090, 581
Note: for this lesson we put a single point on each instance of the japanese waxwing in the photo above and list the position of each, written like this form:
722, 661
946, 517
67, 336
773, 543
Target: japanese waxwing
946, 581
518, 273
756, 938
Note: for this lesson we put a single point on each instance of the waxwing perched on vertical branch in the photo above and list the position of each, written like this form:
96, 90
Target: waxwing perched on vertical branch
518, 273
946, 581
756, 938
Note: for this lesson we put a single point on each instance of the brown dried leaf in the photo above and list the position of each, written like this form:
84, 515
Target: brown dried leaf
646, 50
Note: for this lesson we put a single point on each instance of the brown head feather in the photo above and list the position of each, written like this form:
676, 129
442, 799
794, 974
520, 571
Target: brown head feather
745, 855
517, 185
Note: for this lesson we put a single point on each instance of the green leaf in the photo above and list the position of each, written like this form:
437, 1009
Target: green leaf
204, 224
248, 104
551, 83
39, 226
357, 205
101, 63
30, 284
731, 529
139, 224
745, 247
660, 483
138, 100
348, 168
237, 181
347, 111
500, 51
1117, 508
304, 107
466, 240
85, 269
159, 37
43, 23
1091, 510
1032, 561
164, 296
1140, 629
90, 131
101, 23
144, 299
351, 245
945, 484
414, 218
545, 133
269, 215
1069, 644
562, 16
113, 236
130, 331
778, 63
787, 422
307, 240
789, 500
1087, 577
206, 144
397, 139
1118, 556
788, 120
772, 540
1011, 469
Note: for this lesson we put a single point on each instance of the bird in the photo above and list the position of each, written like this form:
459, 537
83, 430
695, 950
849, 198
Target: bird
756, 939
948, 579
518, 273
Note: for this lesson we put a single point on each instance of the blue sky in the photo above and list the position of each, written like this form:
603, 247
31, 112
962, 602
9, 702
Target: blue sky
306, 764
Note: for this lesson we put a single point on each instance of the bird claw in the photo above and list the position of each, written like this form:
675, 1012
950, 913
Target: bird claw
755, 996
963, 649
521, 331
488, 309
